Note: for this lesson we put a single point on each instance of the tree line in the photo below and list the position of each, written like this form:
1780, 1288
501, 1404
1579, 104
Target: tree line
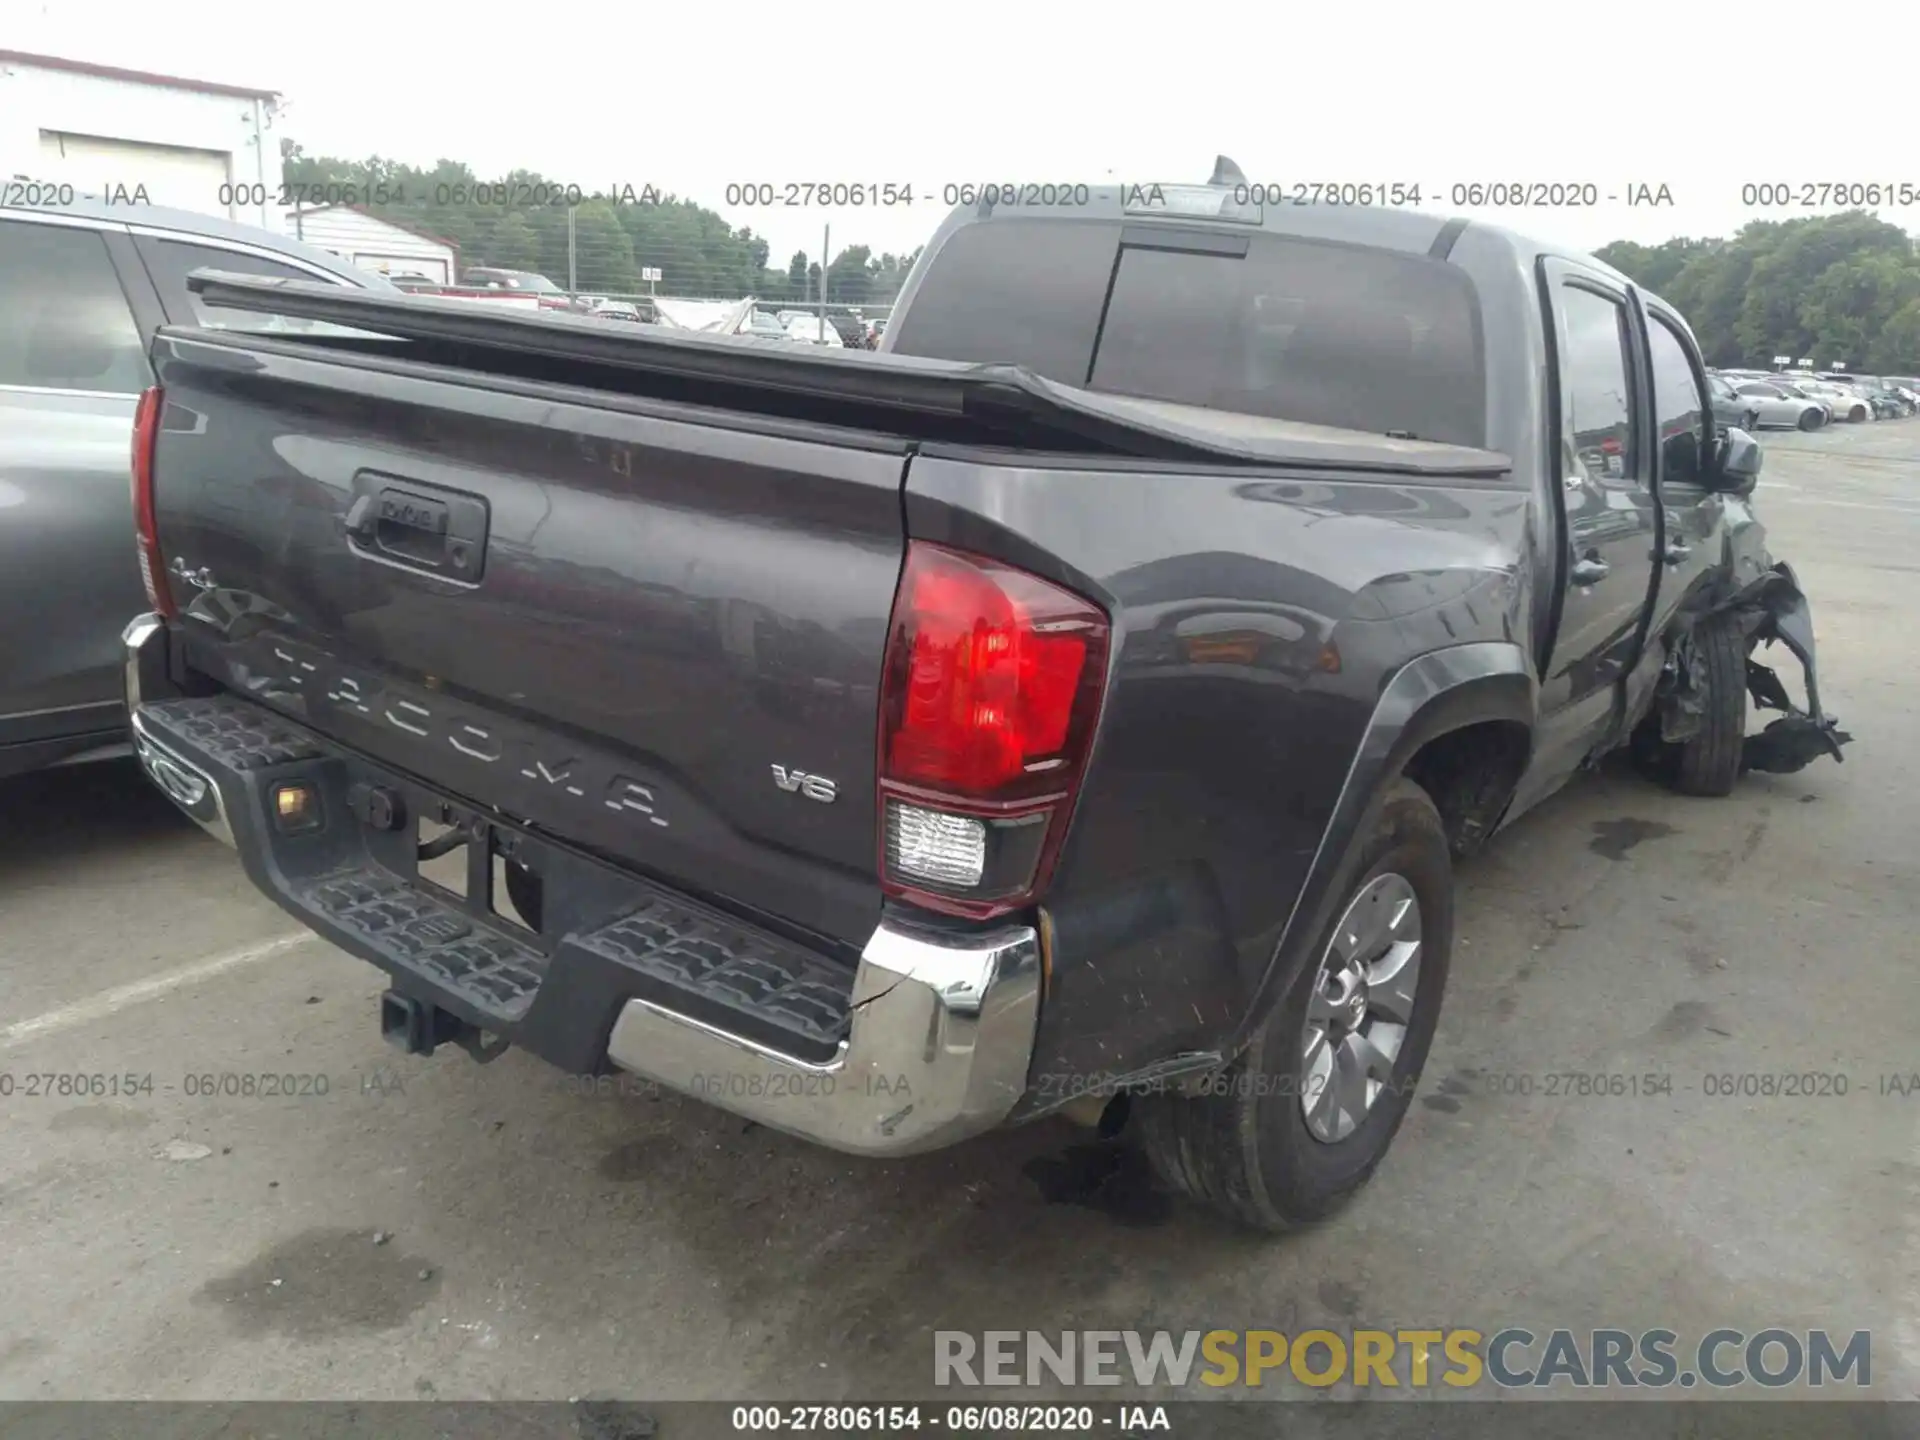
613, 237
1836, 289
1839, 290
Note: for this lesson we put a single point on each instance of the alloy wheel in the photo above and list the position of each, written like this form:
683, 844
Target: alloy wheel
1360, 1008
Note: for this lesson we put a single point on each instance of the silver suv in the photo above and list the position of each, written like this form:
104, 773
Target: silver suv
82, 289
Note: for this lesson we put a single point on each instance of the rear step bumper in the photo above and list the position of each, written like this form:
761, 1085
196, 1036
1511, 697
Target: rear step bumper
925, 1041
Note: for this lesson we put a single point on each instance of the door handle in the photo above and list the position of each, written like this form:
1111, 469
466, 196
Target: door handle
423, 526
1590, 571
1676, 551
362, 521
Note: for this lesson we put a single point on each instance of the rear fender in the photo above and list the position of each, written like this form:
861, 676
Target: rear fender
1432, 695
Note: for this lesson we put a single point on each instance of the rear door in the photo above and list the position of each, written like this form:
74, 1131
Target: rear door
1604, 465
1694, 515
72, 365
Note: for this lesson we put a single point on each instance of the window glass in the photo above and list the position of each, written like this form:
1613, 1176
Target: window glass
1677, 406
1343, 335
1326, 334
64, 320
1019, 291
171, 261
1594, 388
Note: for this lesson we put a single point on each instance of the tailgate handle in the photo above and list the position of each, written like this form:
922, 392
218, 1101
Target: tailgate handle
418, 525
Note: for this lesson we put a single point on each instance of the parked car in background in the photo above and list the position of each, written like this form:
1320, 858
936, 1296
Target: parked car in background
1781, 407
1888, 401
812, 330
550, 295
1730, 407
765, 326
413, 283
617, 310
1843, 403
82, 289
1797, 387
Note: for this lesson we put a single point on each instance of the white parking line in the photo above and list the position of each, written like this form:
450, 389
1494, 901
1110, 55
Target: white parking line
108, 1002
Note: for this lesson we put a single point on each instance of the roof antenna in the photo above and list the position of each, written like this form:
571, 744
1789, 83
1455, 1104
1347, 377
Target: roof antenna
1225, 172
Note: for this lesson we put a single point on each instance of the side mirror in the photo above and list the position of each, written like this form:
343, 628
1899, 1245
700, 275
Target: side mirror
1738, 470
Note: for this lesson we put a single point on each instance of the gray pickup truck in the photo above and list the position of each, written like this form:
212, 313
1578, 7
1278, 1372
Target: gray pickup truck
1076, 707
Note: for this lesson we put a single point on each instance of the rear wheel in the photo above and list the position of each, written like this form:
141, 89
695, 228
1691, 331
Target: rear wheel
1287, 1133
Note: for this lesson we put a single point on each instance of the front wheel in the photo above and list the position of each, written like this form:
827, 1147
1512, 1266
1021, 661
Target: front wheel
1857, 414
1709, 762
1811, 419
1299, 1121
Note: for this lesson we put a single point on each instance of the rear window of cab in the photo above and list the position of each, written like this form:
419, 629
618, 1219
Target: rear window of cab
1295, 329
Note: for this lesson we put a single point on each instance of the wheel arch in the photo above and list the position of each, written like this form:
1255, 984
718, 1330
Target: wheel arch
1462, 717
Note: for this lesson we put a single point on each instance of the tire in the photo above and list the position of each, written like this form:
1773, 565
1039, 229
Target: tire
1811, 419
1709, 763
1243, 1147
1857, 414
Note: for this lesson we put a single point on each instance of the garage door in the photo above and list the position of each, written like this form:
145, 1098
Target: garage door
184, 179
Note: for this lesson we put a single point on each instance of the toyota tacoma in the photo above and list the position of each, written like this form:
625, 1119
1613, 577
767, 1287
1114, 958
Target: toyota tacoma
1078, 705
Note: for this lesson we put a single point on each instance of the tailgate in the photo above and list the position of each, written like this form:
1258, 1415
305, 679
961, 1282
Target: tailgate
651, 632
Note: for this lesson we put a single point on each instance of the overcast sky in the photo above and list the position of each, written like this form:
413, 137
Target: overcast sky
1619, 95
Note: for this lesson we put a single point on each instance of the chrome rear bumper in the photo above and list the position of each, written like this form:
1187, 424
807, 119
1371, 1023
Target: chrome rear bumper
941, 1039
941, 1024
183, 783
145, 641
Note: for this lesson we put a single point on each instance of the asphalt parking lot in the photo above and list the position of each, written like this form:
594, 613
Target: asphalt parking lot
544, 1243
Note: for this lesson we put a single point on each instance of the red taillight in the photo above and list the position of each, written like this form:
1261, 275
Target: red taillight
146, 434
989, 696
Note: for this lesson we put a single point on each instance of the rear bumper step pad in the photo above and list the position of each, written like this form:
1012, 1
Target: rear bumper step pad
926, 1041
360, 887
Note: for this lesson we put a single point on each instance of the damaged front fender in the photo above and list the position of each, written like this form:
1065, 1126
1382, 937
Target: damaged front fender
1774, 608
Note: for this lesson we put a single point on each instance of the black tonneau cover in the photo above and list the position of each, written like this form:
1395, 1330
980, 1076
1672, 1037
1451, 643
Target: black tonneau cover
905, 384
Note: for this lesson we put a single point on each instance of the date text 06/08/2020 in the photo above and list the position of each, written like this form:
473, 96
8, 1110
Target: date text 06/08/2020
1459, 195
1469, 194
197, 1085
1518, 1084
959, 1419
